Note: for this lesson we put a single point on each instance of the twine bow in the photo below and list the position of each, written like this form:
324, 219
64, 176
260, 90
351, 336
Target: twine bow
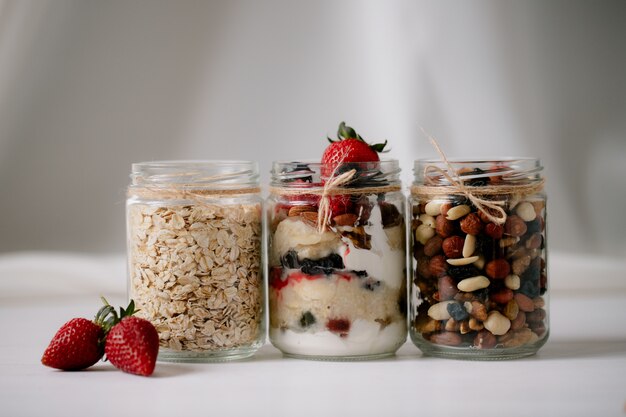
487, 207
324, 211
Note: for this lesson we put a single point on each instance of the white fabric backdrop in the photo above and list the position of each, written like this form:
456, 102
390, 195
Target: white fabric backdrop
88, 87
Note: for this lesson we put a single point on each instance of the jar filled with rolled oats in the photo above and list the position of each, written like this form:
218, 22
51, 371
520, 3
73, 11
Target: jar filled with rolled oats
478, 235
194, 236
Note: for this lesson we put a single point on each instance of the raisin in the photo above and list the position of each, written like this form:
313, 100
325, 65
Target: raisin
461, 272
457, 311
390, 214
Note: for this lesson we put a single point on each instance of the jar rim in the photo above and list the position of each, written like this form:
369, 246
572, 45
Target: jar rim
507, 169
218, 174
286, 173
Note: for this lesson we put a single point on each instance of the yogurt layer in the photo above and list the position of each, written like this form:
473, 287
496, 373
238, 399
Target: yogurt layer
365, 338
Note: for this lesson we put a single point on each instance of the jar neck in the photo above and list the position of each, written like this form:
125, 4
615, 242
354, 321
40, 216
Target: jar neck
195, 175
483, 172
307, 174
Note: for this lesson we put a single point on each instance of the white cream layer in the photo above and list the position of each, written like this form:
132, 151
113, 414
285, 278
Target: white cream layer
364, 338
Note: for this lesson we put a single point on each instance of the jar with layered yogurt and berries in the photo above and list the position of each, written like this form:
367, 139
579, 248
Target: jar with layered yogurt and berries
478, 242
336, 259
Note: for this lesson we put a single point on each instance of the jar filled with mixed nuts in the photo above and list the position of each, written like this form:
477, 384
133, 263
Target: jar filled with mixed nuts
478, 234
337, 260
194, 257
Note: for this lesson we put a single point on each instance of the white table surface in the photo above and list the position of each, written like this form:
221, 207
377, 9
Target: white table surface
581, 371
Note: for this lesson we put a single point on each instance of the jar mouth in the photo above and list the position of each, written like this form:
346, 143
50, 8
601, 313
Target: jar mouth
508, 170
211, 174
303, 173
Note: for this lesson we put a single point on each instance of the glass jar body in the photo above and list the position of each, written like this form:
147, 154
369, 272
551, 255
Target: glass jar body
195, 259
479, 288
337, 291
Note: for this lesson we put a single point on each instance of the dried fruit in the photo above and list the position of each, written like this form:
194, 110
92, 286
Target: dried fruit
457, 311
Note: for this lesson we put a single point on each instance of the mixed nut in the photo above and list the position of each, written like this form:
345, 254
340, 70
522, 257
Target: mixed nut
478, 284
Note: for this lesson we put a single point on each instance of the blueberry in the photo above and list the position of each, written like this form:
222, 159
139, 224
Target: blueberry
307, 319
322, 266
371, 284
290, 260
457, 311
360, 274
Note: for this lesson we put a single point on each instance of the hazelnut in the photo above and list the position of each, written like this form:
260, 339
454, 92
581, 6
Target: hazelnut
502, 296
444, 227
471, 224
494, 231
433, 246
453, 246
437, 266
515, 226
498, 269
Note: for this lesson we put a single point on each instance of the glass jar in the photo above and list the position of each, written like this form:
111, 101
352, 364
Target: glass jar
337, 261
478, 234
194, 234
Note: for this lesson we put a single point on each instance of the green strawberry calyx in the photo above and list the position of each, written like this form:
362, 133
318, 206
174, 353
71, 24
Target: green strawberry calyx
346, 132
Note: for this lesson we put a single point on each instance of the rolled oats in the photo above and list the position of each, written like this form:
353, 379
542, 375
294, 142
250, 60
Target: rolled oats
195, 273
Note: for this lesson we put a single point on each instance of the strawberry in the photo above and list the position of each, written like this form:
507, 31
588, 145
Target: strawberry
340, 204
349, 147
132, 344
78, 344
